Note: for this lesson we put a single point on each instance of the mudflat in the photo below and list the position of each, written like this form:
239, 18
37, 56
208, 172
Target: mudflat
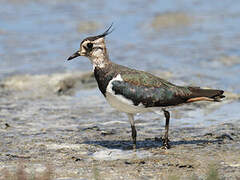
73, 132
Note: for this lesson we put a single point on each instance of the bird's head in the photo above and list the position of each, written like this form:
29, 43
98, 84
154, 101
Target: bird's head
93, 47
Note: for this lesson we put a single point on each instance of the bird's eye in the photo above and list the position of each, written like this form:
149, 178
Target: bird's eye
89, 45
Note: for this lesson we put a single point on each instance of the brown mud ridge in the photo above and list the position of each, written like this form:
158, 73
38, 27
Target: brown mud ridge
61, 123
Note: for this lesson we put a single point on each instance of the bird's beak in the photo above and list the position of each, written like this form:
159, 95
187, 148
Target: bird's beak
76, 54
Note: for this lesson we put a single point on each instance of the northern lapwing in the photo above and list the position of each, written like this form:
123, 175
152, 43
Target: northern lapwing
133, 91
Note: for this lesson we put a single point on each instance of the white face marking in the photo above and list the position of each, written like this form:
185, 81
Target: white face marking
98, 60
99, 41
85, 43
82, 49
98, 54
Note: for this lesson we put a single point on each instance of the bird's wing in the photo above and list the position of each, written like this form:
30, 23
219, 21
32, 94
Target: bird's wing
146, 89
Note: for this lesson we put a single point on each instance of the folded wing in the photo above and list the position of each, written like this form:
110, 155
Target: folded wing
151, 91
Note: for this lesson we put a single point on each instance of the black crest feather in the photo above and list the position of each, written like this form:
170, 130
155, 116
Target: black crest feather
108, 31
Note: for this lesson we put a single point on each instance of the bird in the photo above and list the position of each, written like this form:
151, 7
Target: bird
133, 91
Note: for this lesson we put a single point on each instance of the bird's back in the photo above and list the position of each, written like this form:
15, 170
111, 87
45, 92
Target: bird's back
144, 88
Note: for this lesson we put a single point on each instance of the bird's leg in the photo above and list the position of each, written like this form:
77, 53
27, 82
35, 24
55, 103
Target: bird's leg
165, 139
134, 132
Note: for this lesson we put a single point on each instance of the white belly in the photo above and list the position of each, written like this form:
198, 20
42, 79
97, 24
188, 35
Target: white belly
120, 102
124, 105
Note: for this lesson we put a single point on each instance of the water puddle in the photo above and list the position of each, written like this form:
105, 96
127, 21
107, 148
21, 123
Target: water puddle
115, 154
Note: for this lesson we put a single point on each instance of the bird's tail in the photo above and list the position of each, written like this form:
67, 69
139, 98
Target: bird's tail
205, 94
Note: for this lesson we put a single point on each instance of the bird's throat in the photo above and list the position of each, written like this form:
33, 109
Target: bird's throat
99, 58
99, 62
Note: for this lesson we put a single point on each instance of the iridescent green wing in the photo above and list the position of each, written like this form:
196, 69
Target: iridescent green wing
150, 90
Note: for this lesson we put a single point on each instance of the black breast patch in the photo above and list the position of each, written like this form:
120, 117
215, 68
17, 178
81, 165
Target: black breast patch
103, 78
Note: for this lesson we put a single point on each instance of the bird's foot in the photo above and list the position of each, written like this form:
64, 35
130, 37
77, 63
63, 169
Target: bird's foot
166, 146
134, 147
165, 143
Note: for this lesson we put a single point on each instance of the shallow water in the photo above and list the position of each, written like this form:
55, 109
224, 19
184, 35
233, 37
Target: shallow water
196, 41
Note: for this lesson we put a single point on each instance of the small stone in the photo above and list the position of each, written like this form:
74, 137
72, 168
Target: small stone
91, 128
7, 125
105, 133
127, 162
225, 136
78, 159
142, 162
185, 166
208, 134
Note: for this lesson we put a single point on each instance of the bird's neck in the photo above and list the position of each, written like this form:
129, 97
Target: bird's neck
100, 58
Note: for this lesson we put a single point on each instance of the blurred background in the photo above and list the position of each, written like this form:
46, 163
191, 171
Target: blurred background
196, 42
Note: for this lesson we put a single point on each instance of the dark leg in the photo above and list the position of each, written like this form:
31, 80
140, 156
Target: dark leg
134, 132
134, 135
165, 139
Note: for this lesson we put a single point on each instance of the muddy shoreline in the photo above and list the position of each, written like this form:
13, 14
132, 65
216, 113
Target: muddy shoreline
71, 129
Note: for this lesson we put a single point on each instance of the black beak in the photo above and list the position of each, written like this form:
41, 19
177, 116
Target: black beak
76, 54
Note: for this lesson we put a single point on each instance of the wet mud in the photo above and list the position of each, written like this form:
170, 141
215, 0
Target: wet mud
80, 136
